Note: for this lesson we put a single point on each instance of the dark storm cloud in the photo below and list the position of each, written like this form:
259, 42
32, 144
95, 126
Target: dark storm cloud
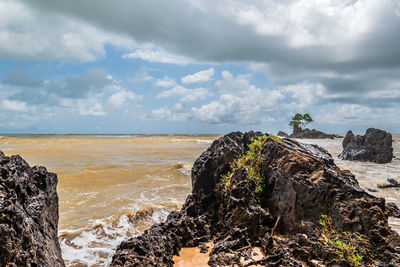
348, 50
367, 40
212, 34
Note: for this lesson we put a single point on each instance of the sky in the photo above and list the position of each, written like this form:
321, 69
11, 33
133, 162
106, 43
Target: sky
198, 66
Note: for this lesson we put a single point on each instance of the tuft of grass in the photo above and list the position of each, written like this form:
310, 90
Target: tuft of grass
345, 250
251, 161
225, 181
348, 251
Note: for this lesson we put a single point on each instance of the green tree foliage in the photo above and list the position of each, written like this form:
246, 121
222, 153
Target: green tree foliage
301, 119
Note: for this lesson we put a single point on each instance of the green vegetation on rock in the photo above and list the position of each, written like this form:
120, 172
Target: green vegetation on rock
251, 161
331, 237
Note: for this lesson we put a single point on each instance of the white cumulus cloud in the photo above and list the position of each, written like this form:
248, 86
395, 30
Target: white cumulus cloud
201, 76
27, 33
165, 82
96, 110
186, 95
157, 55
119, 98
13, 105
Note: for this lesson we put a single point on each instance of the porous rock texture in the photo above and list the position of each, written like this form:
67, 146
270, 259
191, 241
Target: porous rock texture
374, 146
28, 215
301, 183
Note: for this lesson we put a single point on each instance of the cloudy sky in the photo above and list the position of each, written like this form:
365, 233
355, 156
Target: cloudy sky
198, 66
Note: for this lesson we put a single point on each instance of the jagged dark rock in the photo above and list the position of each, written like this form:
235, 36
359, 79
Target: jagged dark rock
393, 209
28, 215
309, 134
373, 190
282, 134
391, 183
301, 183
374, 146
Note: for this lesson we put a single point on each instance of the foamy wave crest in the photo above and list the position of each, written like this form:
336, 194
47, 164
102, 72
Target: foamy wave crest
395, 224
95, 244
186, 140
204, 141
184, 167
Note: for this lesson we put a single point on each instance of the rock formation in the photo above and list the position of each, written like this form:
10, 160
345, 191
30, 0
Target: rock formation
374, 146
294, 204
391, 183
310, 134
28, 215
282, 134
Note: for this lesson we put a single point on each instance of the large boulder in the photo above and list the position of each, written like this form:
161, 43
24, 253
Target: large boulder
305, 206
374, 146
28, 215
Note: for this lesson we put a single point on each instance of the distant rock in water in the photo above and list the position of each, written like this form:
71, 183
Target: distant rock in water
310, 134
393, 209
28, 215
391, 183
282, 134
374, 146
294, 205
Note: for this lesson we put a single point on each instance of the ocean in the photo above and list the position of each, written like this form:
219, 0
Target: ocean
112, 187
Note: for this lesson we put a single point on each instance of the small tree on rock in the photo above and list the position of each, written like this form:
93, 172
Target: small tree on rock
301, 120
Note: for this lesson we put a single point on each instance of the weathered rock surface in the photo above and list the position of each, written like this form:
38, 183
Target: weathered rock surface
391, 183
393, 209
282, 134
28, 215
374, 146
310, 134
300, 184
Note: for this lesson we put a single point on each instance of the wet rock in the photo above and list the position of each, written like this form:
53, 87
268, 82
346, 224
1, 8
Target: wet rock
282, 134
310, 134
203, 248
374, 146
373, 190
300, 183
391, 183
28, 215
393, 210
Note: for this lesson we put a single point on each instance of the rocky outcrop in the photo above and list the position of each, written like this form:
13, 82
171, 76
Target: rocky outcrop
305, 206
28, 215
374, 146
393, 209
391, 183
282, 134
309, 134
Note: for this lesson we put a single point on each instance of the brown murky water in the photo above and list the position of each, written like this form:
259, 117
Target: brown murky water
113, 187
